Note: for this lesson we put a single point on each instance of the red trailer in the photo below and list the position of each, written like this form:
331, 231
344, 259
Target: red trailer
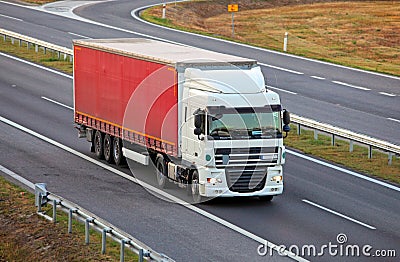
130, 97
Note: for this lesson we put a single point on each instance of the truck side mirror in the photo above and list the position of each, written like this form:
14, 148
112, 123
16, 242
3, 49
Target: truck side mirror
286, 122
197, 121
197, 131
286, 117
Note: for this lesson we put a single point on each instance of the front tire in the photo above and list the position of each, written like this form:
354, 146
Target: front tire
195, 187
98, 145
161, 177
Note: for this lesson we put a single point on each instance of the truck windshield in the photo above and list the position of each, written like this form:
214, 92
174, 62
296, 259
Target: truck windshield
245, 123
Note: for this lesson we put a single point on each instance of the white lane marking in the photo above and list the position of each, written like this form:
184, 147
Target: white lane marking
56, 102
387, 94
343, 170
339, 214
154, 189
283, 90
318, 77
393, 119
353, 86
17, 177
282, 69
10, 17
36, 65
78, 35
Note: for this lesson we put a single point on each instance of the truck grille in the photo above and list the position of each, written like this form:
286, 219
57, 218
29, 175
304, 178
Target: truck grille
246, 180
246, 168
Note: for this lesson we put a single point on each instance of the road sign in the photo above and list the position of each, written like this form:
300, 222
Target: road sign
233, 8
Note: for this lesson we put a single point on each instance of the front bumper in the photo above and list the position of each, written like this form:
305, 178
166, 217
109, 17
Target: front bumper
221, 189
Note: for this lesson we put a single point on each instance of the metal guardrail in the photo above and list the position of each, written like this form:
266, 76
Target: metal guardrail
343, 133
42, 197
392, 149
37, 43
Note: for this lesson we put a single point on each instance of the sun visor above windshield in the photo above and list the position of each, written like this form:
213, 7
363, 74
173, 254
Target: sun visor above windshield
228, 81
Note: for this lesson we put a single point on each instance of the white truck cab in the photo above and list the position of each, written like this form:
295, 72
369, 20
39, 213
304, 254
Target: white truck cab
232, 132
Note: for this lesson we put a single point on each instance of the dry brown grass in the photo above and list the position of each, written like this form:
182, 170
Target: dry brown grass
364, 34
38, 2
24, 236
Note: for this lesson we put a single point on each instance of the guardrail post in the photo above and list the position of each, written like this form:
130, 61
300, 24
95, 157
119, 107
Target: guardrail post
315, 134
71, 211
104, 240
298, 129
40, 203
55, 211
12, 40
87, 230
141, 255
351, 146
28, 45
390, 158
58, 54
333, 140
122, 253
20, 43
5, 38
369, 152
44, 50
36, 48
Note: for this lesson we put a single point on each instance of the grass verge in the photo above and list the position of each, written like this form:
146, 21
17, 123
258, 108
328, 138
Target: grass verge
357, 160
48, 59
25, 236
360, 34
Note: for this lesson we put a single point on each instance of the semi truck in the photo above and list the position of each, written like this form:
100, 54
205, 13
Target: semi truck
205, 119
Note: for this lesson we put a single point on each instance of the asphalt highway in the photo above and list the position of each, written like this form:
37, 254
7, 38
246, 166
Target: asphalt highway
319, 203
366, 212
361, 101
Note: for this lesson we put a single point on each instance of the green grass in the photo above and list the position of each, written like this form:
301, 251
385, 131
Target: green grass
49, 59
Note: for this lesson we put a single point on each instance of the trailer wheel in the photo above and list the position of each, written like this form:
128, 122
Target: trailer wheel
266, 198
118, 157
195, 186
161, 177
108, 148
98, 145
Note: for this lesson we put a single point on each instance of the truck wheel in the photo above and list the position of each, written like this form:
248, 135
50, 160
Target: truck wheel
118, 157
266, 198
195, 186
108, 148
98, 145
162, 180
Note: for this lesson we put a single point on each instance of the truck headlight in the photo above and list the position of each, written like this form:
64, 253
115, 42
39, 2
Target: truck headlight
213, 180
277, 178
